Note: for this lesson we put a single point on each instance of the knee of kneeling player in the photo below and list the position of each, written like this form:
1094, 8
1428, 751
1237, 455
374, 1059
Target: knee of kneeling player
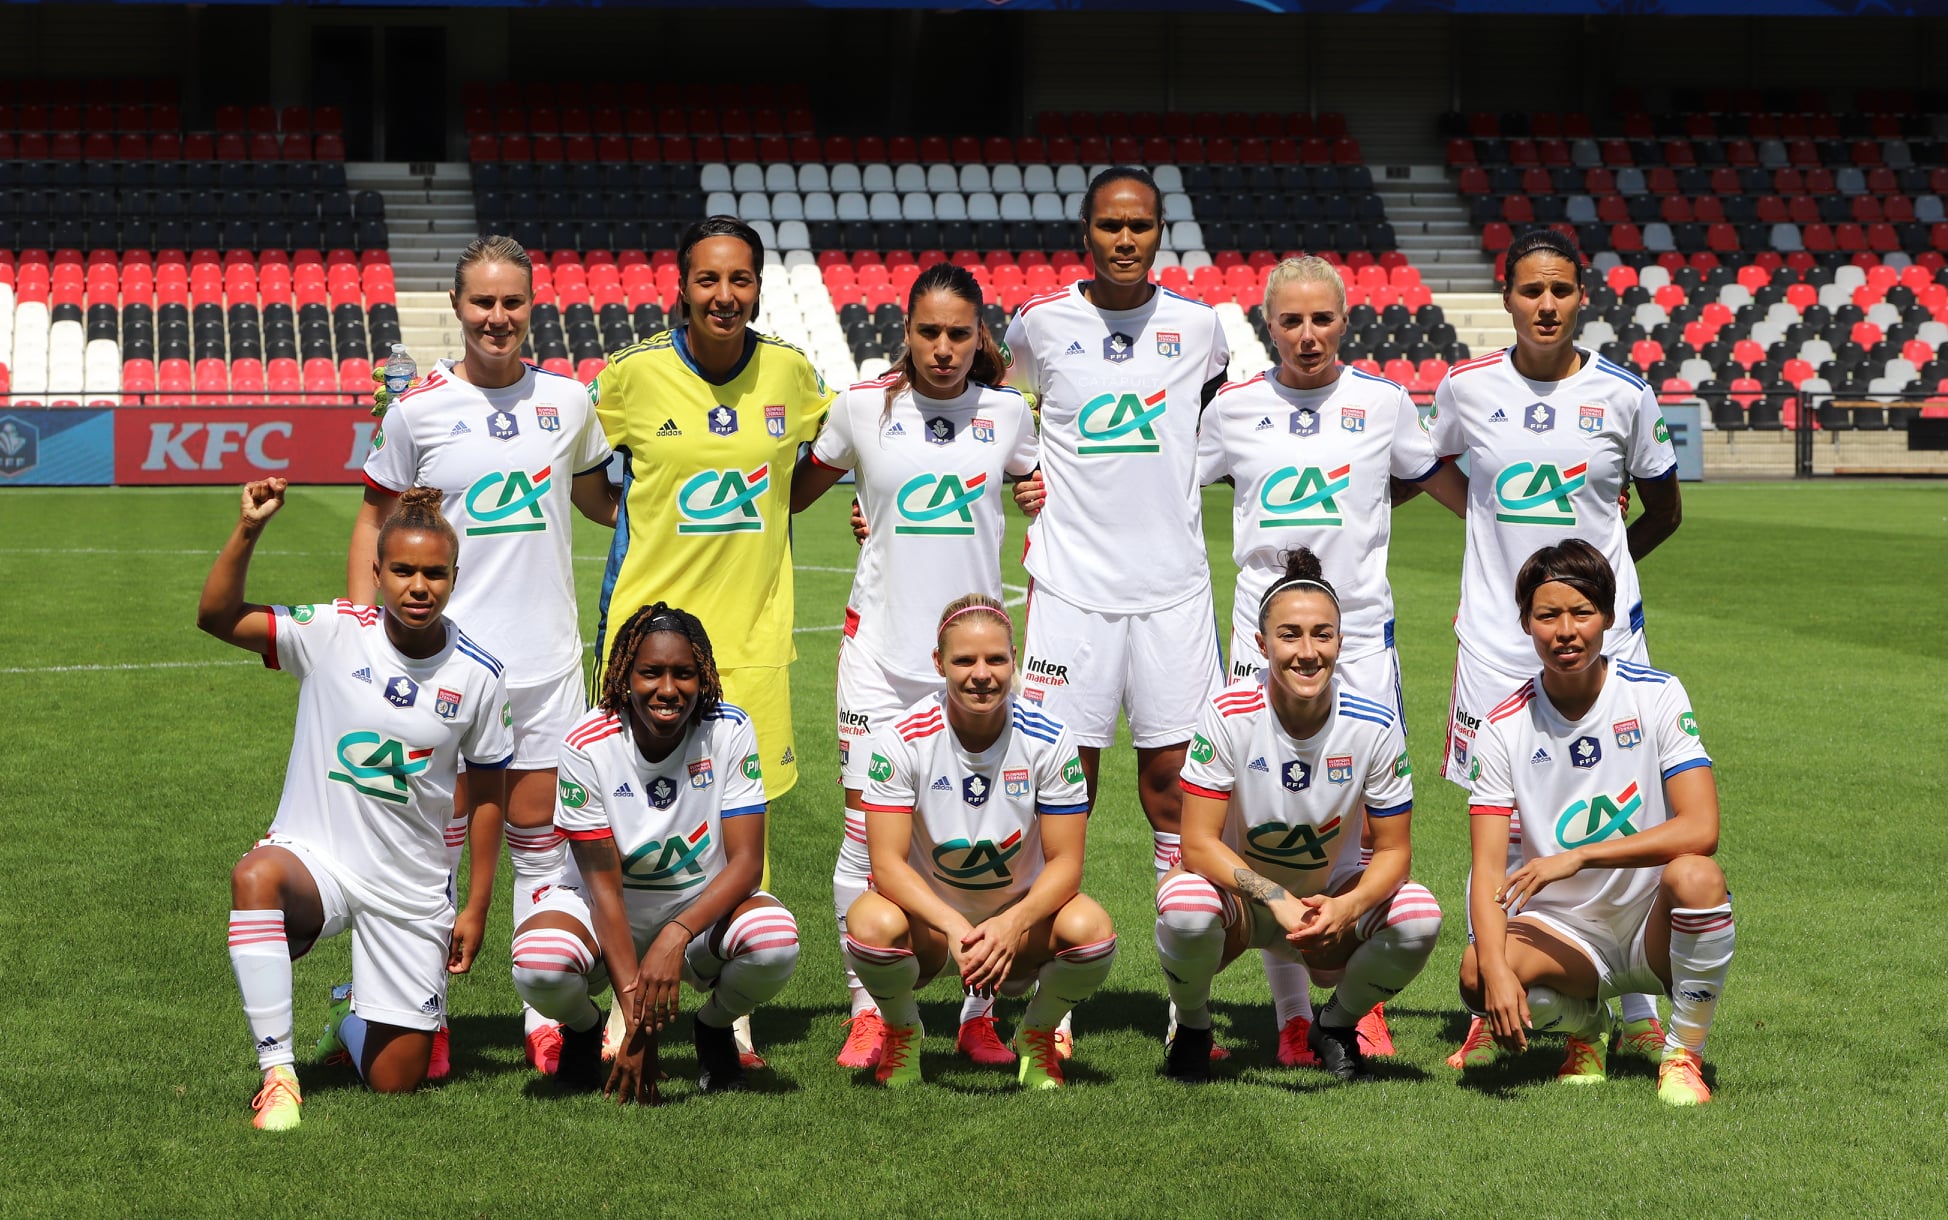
873, 920
1695, 881
1192, 908
1081, 921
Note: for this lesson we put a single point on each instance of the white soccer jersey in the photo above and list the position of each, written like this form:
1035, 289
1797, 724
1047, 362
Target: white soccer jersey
1119, 394
976, 838
1296, 808
1547, 460
930, 483
666, 817
1594, 779
378, 742
1310, 468
504, 460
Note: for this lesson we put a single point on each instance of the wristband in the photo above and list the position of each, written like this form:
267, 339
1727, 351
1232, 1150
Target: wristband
686, 928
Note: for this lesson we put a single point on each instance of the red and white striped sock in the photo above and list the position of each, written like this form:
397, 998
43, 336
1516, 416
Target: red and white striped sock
1398, 938
551, 969
851, 876
261, 957
1191, 919
760, 952
1069, 978
1702, 940
891, 976
538, 853
1168, 851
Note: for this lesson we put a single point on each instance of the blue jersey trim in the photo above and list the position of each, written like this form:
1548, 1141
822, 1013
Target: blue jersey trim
1669, 472
1374, 377
730, 712
1431, 471
1682, 767
741, 810
1061, 809
680, 343
1603, 365
1631, 672
502, 765
467, 648
1390, 810
1382, 721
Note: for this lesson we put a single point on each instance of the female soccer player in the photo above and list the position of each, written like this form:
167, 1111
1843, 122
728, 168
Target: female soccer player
662, 798
1615, 890
1536, 475
510, 447
1121, 615
931, 442
975, 816
1285, 768
390, 700
1314, 450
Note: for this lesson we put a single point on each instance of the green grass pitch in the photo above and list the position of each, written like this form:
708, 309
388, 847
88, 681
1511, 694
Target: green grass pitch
1810, 623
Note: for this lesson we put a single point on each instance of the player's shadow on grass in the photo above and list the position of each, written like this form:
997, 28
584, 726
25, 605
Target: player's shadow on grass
1246, 1030
1513, 1072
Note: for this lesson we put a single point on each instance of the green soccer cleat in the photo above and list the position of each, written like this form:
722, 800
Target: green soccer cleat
1645, 1037
1478, 1049
331, 1049
277, 1102
899, 1057
1680, 1079
1041, 1059
1587, 1062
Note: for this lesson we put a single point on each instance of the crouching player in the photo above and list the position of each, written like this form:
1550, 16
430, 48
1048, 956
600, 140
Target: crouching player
975, 816
1283, 771
661, 796
1616, 890
390, 698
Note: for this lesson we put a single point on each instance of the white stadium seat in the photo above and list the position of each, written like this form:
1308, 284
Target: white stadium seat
715, 176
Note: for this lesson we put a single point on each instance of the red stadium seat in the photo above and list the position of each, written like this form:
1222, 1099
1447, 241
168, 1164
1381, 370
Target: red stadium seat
1646, 352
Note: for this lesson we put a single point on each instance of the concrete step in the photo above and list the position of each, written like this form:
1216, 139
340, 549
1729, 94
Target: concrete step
430, 204
417, 226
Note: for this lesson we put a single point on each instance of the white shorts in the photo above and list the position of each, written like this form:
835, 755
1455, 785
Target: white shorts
398, 965
543, 714
699, 964
1375, 675
1159, 667
1621, 960
1480, 687
869, 697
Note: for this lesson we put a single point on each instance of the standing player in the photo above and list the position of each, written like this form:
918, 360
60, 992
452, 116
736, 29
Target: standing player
1120, 614
709, 417
1313, 450
931, 442
1552, 433
1616, 890
510, 447
662, 796
391, 698
1271, 855
975, 819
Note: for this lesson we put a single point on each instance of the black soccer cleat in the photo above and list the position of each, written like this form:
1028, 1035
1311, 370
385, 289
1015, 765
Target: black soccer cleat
580, 1067
717, 1060
1188, 1056
1338, 1051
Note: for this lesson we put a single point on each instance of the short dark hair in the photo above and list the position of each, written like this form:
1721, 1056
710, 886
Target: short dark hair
718, 226
990, 366
1540, 241
648, 621
1302, 572
1119, 173
1575, 563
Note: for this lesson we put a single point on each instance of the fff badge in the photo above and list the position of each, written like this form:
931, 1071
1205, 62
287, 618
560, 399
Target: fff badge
940, 431
1296, 775
1585, 752
1305, 422
1118, 347
549, 419
401, 691
1539, 417
662, 792
502, 426
723, 420
974, 790
774, 422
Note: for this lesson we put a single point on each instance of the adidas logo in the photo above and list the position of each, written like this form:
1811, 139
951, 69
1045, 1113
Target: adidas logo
787, 759
669, 428
1258, 764
460, 429
431, 1007
941, 785
896, 430
1264, 425
1075, 349
267, 1044
1539, 757
363, 675
1499, 417
626, 792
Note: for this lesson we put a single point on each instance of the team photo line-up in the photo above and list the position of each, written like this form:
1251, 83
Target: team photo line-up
443, 708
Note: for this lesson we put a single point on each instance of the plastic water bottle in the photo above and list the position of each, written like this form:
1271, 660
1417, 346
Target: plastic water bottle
400, 371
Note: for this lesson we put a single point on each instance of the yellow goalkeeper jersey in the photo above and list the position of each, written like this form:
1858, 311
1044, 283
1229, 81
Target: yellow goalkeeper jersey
705, 521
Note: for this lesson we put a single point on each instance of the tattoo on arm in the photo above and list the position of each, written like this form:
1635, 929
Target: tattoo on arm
595, 855
1256, 888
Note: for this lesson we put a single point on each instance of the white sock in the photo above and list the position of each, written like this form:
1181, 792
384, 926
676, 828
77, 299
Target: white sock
538, 853
760, 953
261, 957
1399, 938
1701, 956
551, 969
1551, 1012
891, 975
1291, 987
1190, 944
976, 1005
352, 1031
851, 875
1639, 1007
1068, 978
1169, 851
